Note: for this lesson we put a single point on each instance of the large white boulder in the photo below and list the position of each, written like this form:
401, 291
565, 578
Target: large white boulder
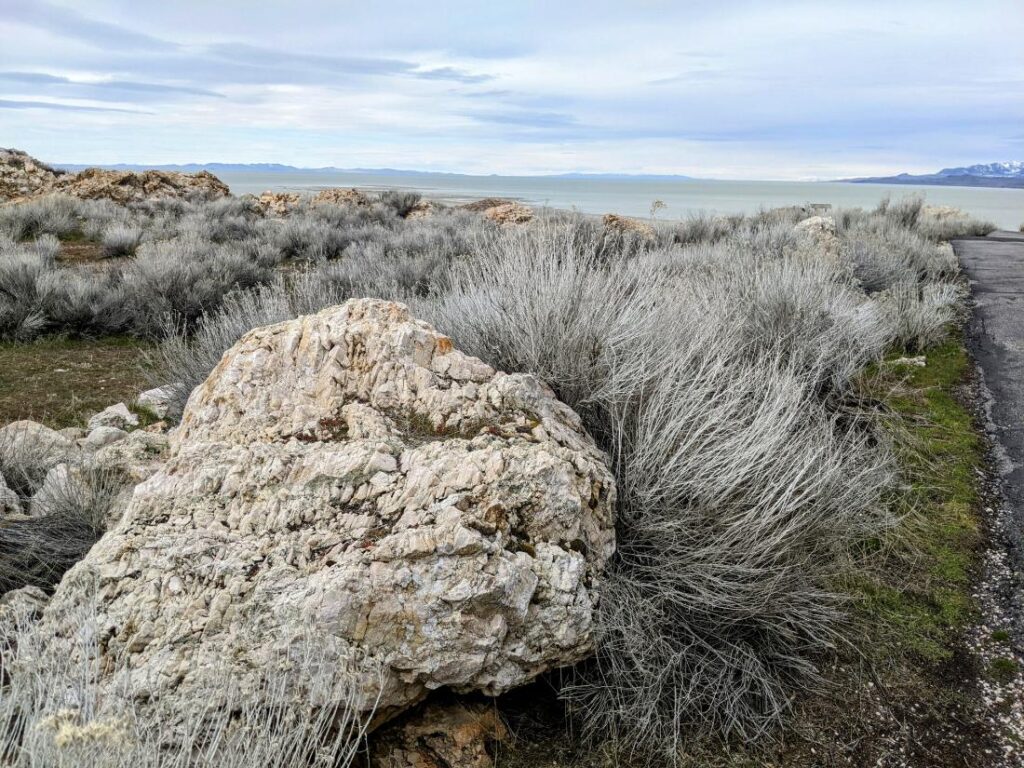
349, 478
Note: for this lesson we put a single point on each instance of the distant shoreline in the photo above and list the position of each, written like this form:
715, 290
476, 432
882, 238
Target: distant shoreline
967, 182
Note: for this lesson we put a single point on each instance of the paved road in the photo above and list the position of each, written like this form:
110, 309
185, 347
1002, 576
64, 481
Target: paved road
995, 266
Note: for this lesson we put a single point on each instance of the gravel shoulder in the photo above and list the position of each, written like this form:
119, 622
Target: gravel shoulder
995, 268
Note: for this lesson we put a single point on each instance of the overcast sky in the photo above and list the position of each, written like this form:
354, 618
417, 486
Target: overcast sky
715, 88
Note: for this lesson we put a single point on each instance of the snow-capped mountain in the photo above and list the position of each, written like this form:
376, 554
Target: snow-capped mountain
1009, 175
1011, 170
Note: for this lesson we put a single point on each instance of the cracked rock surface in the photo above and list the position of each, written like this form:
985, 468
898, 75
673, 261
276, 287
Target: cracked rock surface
349, 477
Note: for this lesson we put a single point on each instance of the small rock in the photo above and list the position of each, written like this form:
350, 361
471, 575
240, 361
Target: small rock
157, 401
115, 416
74, 434
31, 444
62, 484
102, 436
454, 735
10, 504
918, 362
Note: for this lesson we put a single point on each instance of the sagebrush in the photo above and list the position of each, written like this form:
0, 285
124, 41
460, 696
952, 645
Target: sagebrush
714, 360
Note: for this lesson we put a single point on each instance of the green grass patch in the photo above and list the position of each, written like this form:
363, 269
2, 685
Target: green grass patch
920, 599
61, 382
1003, 669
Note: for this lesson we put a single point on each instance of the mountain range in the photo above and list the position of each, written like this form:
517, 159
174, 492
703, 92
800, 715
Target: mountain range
1008, 174
217, 168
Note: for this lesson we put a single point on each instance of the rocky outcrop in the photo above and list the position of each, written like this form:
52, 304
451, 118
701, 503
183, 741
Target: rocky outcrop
500, 210
349, 477
445, 735
284, 203
509, 213
623, 225
486, 203
338, 196
278, 203
131, 186
423, 209
22, 176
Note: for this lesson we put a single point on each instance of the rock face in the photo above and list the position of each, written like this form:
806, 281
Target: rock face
22, 176
350, 477
130, 186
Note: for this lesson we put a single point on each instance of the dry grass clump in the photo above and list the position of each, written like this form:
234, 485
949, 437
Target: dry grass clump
302, 710
66, 506
745, 475
121, 240
52, 214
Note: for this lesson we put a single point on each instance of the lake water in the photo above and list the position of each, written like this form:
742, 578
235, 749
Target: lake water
633, 197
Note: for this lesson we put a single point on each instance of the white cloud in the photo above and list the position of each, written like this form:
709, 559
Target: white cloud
729, 89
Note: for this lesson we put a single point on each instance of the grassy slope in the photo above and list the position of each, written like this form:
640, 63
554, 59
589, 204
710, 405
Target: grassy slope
62, 382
